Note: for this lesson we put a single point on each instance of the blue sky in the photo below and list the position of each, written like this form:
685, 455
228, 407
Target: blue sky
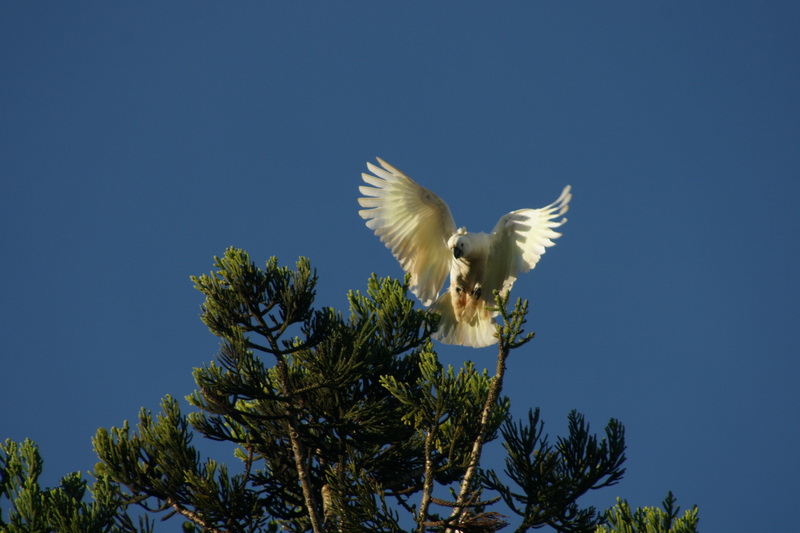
141, 139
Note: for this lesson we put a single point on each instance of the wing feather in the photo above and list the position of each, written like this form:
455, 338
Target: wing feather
414, 224
520, 238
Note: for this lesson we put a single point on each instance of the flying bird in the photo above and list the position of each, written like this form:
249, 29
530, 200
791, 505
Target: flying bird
416, 225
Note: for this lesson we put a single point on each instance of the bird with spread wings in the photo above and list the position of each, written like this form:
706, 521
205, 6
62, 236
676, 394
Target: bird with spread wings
416, 225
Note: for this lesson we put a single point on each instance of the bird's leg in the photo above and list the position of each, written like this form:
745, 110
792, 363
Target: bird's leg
459, 300
472, 303
466, 301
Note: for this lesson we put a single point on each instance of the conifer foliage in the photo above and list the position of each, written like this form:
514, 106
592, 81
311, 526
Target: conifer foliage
337, 423
64, 508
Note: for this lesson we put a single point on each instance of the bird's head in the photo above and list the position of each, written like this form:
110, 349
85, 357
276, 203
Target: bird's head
459, 243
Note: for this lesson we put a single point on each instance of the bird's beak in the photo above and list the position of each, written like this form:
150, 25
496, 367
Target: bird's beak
457, 253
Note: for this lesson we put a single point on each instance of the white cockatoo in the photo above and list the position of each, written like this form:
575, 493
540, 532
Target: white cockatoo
416, 225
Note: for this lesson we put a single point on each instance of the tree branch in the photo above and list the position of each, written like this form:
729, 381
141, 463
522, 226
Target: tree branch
506, 341
191, 516
427, 487
297, 450
291, 420
494, 392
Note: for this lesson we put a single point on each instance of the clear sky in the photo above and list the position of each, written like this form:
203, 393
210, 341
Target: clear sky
138, 140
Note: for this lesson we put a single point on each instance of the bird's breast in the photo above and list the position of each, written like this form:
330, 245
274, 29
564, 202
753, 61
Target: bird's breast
467, 273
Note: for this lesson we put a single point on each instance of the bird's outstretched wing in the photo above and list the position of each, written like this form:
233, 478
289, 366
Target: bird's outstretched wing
520, 238
414, 224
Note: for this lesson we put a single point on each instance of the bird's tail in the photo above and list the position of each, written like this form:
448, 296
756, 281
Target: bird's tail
476, 329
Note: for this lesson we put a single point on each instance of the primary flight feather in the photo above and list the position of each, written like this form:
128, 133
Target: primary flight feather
416, 225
